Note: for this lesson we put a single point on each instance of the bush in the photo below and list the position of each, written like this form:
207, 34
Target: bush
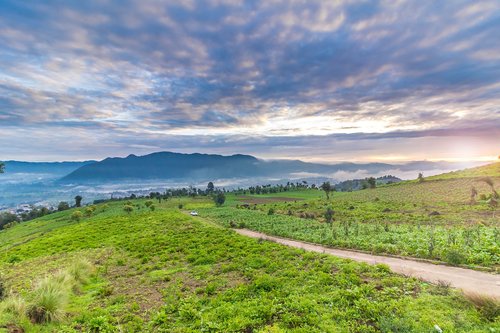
270, 211
219, 199
89, 211
181, 206
128, 209
76, 216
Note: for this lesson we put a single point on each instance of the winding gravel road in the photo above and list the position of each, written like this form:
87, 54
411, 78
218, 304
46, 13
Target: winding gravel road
468, 280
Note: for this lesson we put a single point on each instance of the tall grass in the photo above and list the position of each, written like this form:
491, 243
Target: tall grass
14, 305
49, 299
489, 307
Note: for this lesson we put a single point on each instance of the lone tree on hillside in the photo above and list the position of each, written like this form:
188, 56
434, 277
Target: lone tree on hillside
78, 201
420, 177
327, 187
219, 199
210, 188
372, 182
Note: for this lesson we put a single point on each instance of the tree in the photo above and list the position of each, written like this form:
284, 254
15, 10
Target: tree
210, 188
2, 167
78, 201
372, 182
63, 205
327, 187
219, 199
420, 177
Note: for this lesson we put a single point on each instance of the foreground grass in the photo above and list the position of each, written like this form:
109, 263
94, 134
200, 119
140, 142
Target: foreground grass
163, 271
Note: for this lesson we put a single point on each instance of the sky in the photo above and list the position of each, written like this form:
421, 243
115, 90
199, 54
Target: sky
313, 80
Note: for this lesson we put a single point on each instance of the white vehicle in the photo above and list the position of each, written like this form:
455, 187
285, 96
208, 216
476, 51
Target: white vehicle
194, 213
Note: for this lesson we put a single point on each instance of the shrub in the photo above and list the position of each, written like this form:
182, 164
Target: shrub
128, 209
49, 302
76, 216
329, 215
181, 206
89, 211
219, 199
270, 211
148, 203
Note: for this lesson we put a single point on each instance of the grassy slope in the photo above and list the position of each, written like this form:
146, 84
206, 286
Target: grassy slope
489, 170
164, 271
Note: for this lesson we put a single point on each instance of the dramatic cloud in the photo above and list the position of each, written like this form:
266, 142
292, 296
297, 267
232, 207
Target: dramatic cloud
319, 80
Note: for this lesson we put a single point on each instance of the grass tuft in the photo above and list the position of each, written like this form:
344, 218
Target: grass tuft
50, 299
488, 306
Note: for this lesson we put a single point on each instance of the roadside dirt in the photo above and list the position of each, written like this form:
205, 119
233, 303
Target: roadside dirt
469, 281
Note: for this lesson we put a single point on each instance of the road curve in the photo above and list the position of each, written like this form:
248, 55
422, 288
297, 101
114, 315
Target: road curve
468, 280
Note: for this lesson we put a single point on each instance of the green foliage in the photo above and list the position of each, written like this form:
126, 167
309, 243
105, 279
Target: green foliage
328, 215
327, 188
78, 201
128, 209
2, 167
63, 205
219, 199
76, 215
89, 211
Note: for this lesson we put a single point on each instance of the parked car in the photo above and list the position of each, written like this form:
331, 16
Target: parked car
194, 213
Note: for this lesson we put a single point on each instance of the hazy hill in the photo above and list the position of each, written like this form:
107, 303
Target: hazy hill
169, 165
56, 168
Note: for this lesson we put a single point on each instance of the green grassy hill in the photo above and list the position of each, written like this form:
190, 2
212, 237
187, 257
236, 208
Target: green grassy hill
489, 170
164, 271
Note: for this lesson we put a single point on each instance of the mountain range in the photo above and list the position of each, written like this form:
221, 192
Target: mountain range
196, 167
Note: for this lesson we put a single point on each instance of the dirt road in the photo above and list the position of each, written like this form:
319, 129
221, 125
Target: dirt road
469, 281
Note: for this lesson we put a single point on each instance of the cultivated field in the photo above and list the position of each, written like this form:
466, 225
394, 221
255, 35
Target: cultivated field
433, 219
